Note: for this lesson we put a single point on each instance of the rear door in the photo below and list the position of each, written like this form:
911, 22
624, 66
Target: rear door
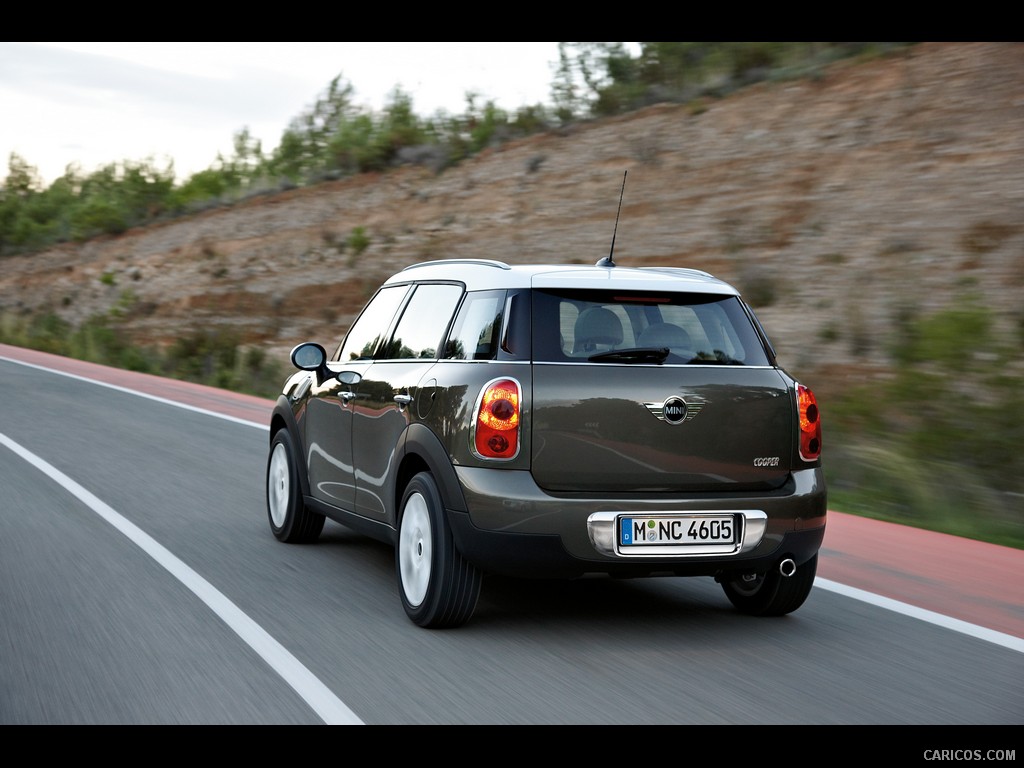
386, 400
655, 392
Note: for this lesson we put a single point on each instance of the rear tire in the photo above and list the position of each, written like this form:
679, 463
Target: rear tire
771, 593
290, 520
438, 587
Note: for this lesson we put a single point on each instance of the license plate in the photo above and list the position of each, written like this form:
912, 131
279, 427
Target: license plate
661, 530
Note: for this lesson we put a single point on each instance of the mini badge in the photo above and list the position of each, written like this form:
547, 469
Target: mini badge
676, 410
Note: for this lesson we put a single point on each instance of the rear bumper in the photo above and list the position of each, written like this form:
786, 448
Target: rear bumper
515, 528
543, 556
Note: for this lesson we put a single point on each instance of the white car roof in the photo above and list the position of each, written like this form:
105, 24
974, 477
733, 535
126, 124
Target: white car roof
485, 274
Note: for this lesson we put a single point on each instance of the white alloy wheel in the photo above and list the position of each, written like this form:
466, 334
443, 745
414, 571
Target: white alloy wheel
278, 485
438, 587
290, 519
415, 549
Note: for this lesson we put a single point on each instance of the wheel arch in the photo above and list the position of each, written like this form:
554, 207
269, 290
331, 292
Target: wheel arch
282, 417
423, 451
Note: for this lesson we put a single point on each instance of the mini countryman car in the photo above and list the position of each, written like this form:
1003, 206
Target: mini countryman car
555, 421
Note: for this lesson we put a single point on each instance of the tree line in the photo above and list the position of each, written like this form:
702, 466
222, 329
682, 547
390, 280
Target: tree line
336, 138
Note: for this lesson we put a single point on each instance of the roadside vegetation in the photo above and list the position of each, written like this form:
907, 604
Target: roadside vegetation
215, 358
934, 444
335, 138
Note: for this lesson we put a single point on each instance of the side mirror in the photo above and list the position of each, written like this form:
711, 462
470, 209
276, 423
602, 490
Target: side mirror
349, 378
309, 356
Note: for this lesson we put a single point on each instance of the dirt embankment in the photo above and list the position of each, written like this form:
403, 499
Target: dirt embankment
835, 204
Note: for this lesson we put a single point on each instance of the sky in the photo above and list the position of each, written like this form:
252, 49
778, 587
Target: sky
93, 104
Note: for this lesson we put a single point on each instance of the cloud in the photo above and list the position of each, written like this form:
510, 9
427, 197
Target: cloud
93, 104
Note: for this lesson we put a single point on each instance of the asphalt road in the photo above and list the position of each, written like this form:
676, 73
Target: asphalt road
140, 584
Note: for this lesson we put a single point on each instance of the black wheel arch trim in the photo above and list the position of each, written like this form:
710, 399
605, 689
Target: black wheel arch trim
421, 441
284, 415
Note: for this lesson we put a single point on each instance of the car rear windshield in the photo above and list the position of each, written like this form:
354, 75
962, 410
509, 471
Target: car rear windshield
634, 327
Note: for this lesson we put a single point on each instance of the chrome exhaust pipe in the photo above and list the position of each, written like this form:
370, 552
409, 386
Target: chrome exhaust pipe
787, 567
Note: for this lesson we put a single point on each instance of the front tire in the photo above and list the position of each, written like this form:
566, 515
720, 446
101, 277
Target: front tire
771, 593
438, 587
290, 520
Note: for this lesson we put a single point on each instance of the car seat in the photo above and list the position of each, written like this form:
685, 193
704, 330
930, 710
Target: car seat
668, 335
597, 329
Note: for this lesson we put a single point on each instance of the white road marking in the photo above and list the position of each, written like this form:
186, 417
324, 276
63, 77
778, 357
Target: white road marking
328, 706
964, 627
135, 392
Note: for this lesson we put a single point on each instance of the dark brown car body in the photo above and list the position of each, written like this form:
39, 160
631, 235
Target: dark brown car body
555, 421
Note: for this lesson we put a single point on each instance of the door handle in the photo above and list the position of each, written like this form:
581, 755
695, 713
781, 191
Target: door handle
403, 400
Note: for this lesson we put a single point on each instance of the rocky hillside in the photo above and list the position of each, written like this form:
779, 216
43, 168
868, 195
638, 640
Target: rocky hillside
834, 204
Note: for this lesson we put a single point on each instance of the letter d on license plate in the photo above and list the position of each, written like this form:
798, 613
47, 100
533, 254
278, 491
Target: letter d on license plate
683, 530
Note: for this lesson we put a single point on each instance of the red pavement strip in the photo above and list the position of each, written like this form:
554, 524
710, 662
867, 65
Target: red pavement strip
244, 407
972, 581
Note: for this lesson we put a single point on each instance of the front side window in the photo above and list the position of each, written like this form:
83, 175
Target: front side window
365, 335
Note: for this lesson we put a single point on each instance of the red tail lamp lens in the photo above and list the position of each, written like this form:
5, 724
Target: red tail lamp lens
810, 423
497, 421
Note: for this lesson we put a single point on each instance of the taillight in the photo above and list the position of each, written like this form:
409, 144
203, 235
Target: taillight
496, 428
810, 423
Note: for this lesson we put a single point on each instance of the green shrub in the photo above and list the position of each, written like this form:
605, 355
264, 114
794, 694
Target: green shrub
829, 332
760, 287
357, 241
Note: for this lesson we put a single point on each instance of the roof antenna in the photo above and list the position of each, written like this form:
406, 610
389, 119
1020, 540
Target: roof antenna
607, 260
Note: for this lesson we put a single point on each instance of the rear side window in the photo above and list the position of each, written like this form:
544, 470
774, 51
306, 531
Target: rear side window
696, 328
477, 327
